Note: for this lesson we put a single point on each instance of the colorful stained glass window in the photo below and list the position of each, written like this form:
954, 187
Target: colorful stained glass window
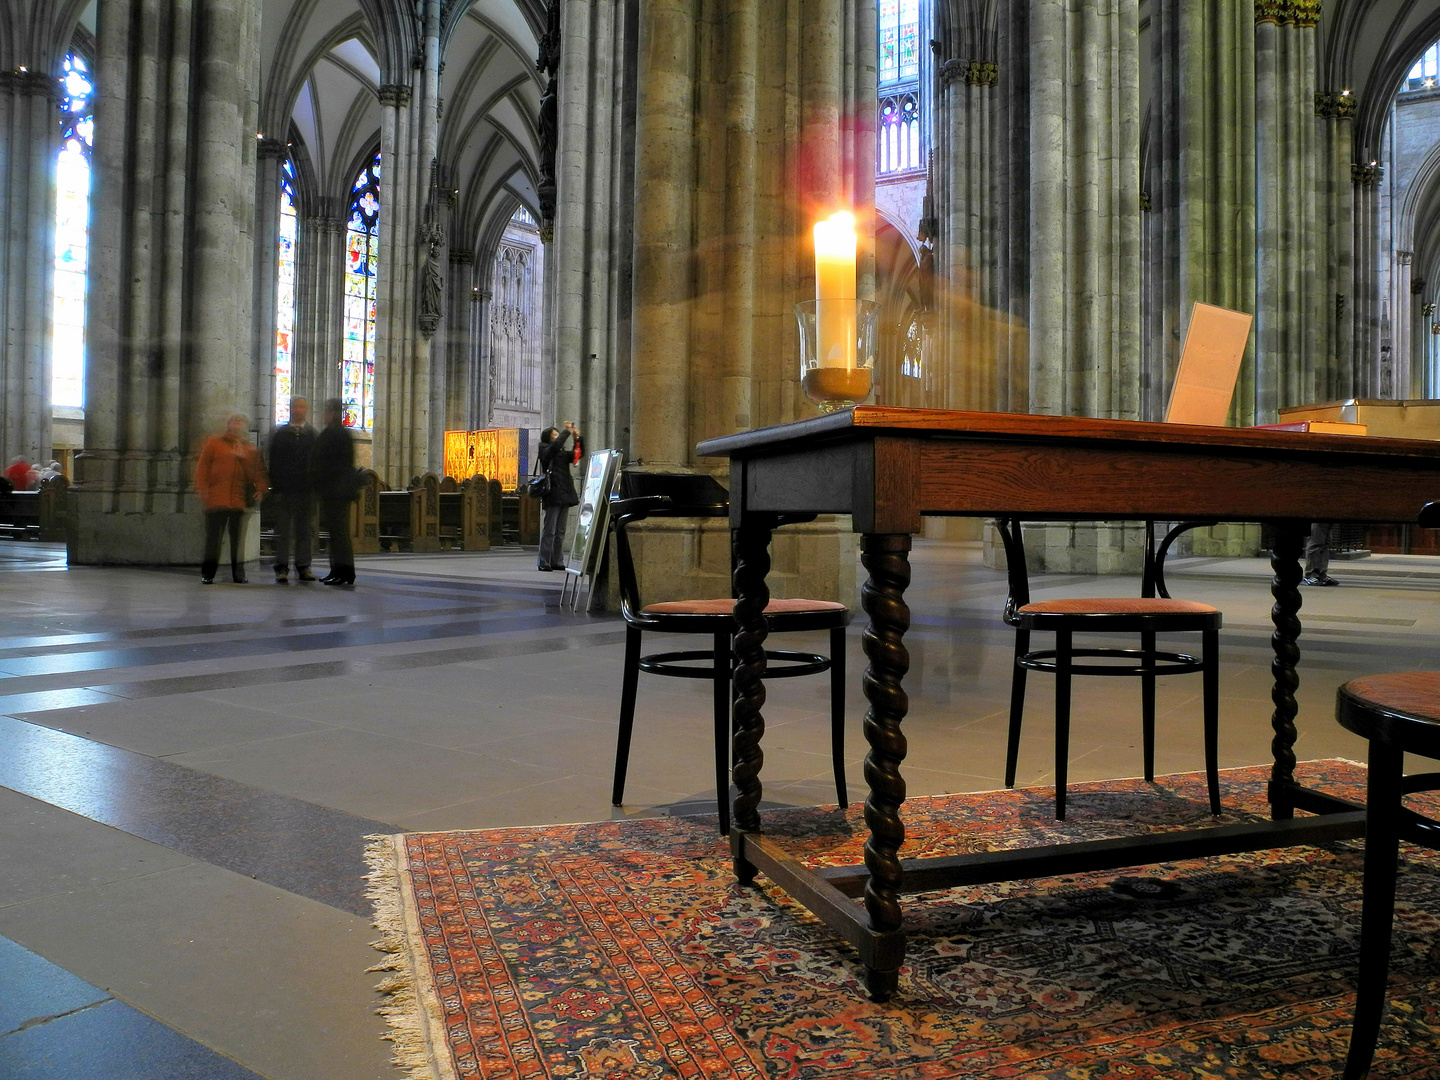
357, 343
285, 295
72, 226
899, 22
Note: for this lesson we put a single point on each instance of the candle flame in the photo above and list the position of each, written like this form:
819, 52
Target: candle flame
835, 237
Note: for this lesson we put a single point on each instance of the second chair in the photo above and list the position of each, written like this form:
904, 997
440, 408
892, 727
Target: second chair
1145, 615
646, 495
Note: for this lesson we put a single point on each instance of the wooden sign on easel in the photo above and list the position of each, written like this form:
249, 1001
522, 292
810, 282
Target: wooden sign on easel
1209, 366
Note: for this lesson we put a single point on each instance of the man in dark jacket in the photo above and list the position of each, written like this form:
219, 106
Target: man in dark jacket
290, 493
555, 458
332, 475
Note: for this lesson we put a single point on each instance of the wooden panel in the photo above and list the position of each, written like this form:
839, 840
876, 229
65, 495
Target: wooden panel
819, 479
983, 478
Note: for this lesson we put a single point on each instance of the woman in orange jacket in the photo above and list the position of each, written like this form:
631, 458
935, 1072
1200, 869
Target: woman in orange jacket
230, 480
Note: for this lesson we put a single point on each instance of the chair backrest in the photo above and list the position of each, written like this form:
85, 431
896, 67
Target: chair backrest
643, 495
1014, 568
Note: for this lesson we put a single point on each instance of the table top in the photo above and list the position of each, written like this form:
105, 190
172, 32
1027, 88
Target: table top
889, 466
870, 421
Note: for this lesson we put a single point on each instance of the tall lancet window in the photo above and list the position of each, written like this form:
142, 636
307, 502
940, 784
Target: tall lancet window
899, 82
72, 226
362, 253
285, 295
1426, 73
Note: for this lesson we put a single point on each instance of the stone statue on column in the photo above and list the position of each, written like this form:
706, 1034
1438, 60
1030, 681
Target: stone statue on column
549, 62
432, 281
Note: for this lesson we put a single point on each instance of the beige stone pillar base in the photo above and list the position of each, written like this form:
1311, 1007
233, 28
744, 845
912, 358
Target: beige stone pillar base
1115, 547
135, 521
690, 560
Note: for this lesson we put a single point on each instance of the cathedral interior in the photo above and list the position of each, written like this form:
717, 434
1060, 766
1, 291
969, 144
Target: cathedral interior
456, 215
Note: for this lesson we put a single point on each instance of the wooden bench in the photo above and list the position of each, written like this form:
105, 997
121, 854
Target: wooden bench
410, 520
20, 515
365, 514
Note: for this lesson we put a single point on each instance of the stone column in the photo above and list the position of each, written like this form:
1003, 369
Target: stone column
168, 339
461, 377
1336, 110
270, 154
29, 142
483, 392
1366, 178
1288, 304
1200, 184
1085, 209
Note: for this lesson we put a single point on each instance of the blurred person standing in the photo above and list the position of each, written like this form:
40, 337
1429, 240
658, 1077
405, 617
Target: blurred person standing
230, 480
291, 493
555, 459
335, 484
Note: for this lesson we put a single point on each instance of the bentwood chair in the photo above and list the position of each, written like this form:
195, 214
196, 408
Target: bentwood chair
1398, 714
1146, 615
650, 495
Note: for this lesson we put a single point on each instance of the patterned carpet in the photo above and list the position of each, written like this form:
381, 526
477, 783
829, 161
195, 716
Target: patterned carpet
626, 950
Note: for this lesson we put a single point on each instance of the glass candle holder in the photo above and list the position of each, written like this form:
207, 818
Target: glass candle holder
837, 351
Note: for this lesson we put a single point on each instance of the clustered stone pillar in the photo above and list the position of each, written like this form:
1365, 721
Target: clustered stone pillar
1085, 209
587, 268
727, 187
319, 288
1289, 308
979, 187
29, 141
1364, 361
1336, 113
460, 406
270, 154
168, 339
1199, 184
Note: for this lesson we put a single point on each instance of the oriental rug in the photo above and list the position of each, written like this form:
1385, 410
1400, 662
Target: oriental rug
625, 950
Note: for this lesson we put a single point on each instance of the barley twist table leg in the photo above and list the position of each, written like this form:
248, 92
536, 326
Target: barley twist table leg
752, 563
1285, 561
886, 557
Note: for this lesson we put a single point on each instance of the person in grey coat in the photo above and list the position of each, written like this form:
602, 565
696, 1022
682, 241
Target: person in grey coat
555, 454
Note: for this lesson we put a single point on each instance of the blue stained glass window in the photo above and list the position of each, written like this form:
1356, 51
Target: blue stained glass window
72, 229
357, 342
1426, 73
285, 295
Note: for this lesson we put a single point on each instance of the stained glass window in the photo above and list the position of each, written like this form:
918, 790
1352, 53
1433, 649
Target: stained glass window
523, 217
898, 129
285, 295
362, 251
72, 225
899, 40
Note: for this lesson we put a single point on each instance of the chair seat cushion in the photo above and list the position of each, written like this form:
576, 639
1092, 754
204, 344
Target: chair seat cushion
1121, 605
725, 607
1410, 693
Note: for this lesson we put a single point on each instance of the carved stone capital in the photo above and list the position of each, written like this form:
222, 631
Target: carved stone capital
397, 94
1404, 258
27, 83
464, 256
1300, 13
1367, 175
1305, 12
1428, 310
270, 149
547, 233
951, 71
1145, 204
1332, 105
982, 73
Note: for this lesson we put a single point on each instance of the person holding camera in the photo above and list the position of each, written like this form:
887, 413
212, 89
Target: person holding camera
555, 458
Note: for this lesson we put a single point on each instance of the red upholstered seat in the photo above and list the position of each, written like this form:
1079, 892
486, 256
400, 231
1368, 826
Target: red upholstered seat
1120, 605
1414, 693
725, 607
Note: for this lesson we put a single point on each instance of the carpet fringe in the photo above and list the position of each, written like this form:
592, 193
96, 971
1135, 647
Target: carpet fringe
405, 1011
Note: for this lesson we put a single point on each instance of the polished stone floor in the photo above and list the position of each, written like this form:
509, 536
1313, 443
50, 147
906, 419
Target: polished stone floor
187, 774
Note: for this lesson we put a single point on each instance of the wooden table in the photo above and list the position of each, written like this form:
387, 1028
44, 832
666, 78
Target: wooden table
886, 467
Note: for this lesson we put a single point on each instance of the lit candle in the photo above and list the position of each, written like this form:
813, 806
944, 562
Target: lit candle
835, 290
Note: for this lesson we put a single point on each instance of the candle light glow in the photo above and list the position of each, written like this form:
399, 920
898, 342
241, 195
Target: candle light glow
835, 289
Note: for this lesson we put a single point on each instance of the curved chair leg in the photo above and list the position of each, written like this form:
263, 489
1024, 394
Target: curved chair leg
837, 711
1147, 702
1382, 852
629, 679
1062, 718
722, 730
1017, 707
1210, 681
